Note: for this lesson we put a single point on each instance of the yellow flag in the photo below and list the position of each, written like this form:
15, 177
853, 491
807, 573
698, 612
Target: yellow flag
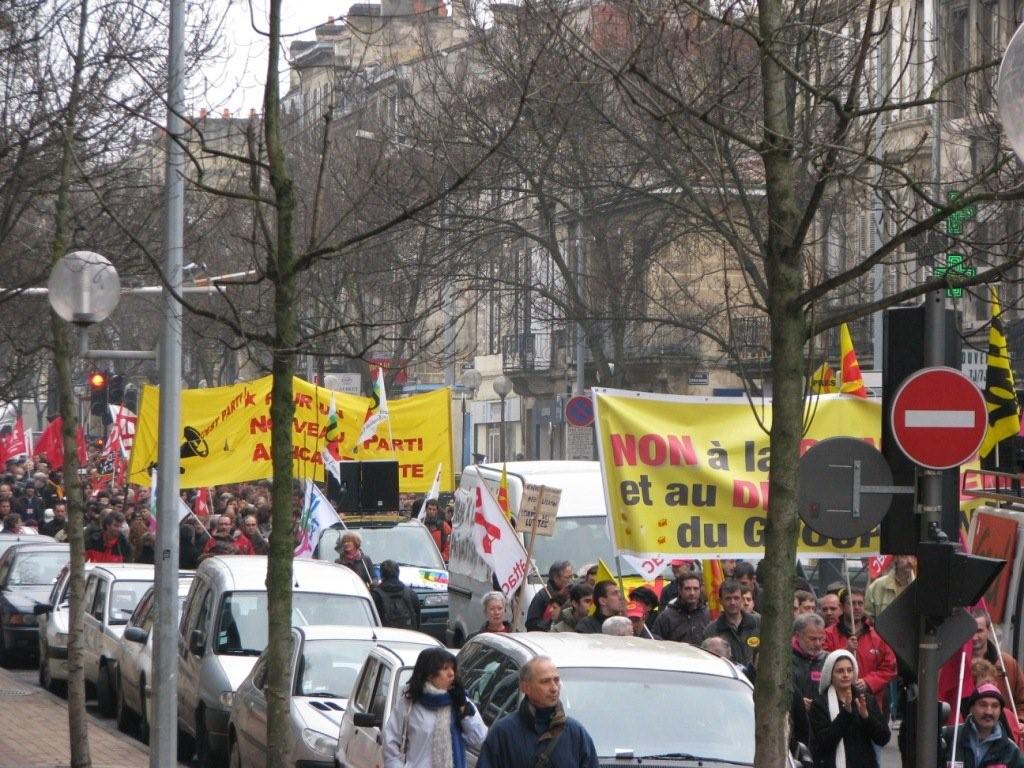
823, 380
1000, 397
853, 381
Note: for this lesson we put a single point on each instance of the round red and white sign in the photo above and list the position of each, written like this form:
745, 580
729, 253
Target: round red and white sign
939, 418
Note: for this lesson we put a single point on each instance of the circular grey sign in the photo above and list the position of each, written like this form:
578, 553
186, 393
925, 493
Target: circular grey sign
845, 488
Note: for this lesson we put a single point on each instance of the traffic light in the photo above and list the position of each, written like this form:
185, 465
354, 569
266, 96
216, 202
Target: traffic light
98, 393
948, 578
115, 389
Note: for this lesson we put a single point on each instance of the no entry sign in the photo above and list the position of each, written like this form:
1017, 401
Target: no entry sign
939, 418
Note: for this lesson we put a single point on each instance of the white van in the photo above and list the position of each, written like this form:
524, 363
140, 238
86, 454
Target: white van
223, 630
581, 533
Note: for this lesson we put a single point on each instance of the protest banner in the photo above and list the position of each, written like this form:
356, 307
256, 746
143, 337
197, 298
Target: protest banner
688, 476
225, 434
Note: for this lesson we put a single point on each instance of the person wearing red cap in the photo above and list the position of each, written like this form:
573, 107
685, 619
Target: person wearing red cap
636, 612
982, 740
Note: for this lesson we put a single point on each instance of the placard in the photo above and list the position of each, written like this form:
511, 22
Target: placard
539, 503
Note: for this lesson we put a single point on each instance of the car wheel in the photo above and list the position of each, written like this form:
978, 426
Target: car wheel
143, 717
105, 696
126, 719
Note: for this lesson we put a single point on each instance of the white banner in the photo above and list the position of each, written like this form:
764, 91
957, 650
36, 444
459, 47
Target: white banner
497, 543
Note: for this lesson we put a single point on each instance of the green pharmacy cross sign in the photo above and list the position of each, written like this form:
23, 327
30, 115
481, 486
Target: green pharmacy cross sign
955, 222
955, 267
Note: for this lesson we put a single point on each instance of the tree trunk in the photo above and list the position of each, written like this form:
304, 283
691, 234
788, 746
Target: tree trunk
773, 692
282, 544
63, 352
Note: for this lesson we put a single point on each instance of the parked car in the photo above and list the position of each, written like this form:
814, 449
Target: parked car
409, 543
52, 618
134, 662
111, 593
223, 630
28, 536
325, 664
385, 673
639, 675
27, 574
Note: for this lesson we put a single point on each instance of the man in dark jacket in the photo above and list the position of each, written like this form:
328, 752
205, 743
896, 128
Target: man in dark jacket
396, 603
737, 628
546, 606
607, 602
808, 637
540, 727
684, 619
982, 740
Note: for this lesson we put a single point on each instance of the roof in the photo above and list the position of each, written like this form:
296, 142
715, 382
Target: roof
250, 572
405, 655
569, 650
42, 546
383, 635
128, 571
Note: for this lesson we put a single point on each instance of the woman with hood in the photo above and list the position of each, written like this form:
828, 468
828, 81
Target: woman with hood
846, 724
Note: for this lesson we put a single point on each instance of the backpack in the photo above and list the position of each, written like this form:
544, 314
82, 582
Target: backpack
397, 610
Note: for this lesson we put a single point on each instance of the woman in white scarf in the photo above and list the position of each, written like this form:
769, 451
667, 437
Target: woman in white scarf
845, 722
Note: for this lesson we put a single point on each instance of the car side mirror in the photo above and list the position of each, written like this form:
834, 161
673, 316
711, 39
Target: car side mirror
136, 635
367, 720
196, 642
41, 609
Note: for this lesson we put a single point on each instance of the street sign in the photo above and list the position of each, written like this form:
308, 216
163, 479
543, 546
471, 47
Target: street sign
899, 625
579, 411
939, 418
845, 488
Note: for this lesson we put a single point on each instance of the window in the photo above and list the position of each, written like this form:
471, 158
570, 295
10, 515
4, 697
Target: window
142, 611
957, 56
380, 691
90, 590
99, 604
124, 596
364, 689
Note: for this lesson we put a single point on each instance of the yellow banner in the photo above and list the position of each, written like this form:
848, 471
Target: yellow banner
688, 476
226, 434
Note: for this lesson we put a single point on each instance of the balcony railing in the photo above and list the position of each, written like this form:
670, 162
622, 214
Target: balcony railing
528, 351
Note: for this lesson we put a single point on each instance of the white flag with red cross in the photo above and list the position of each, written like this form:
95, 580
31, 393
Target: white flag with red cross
497, 542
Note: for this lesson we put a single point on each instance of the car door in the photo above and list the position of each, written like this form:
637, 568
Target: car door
365, 746
250, 717
130, 652
96, 609
190, 663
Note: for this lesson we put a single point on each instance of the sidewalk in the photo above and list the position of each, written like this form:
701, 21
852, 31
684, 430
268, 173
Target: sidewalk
35, 728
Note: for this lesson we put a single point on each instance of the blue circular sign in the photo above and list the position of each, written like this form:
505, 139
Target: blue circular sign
579, 411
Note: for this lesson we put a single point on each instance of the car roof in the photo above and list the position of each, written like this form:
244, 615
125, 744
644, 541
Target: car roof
405, 655
382, 635
128, 571
38, 538
570, 650
42, 546
249, 572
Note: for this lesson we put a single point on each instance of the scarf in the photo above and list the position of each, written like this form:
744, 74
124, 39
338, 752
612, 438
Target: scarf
833, 713
447, 749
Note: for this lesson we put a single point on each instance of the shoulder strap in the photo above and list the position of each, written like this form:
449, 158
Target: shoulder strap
544, 757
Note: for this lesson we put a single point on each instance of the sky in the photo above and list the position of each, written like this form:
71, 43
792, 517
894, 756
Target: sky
236, 82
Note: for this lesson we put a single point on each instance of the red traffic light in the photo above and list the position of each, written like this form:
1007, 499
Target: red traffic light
97, 380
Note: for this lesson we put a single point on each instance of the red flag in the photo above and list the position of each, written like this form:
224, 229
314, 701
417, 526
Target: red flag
853, 381
201, 505
51, 444
878, 565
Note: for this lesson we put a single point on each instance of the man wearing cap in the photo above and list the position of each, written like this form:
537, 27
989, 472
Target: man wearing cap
637, 612
982, 741
684, 619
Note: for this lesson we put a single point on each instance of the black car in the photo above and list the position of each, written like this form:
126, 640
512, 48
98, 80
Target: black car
27, 573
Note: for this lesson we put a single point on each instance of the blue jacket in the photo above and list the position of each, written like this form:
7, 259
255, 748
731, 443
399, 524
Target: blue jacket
514, 741
1000, 750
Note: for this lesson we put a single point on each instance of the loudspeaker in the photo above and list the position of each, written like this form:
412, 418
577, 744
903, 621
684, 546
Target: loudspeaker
345, 495
903, 332
379, 486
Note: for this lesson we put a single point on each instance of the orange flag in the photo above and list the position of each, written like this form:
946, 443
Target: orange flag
853, 381
714, 577
503, 495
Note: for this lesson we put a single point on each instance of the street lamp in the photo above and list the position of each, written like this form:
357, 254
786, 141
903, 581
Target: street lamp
470, 380
503, 387
83, 288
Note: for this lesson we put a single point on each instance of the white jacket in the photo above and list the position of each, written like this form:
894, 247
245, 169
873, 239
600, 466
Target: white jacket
419, 734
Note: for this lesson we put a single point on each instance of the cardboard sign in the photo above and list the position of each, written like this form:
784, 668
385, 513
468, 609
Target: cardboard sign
539, 507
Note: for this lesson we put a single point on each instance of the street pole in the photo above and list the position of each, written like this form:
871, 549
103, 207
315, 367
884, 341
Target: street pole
502, 433
164, 730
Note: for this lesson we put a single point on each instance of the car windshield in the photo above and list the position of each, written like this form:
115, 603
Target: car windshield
36, 568
124, 596
580, 540
404, 543
719, 712
329, 667
242, 627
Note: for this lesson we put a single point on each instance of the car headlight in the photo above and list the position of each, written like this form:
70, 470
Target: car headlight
226, 698
435, 599
21, 619
320, 743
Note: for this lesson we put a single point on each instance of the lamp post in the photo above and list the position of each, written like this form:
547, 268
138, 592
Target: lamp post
503, 387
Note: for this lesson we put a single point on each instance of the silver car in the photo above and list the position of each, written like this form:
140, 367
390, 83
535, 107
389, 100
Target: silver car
135, 663
53, 618
325, 664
